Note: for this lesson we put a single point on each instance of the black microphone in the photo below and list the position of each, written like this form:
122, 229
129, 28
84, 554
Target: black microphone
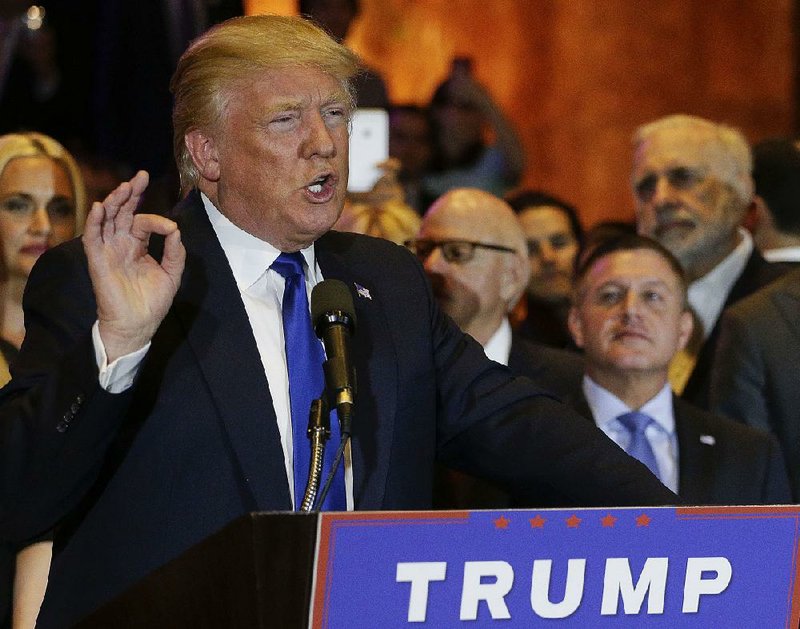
334, 318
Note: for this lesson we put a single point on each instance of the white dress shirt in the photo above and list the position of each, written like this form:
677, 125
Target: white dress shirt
606, 407
261, 289
707, 295
782, 254
498, 347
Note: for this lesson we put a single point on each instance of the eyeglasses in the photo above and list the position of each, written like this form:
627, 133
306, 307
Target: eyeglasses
456, 251
680, 177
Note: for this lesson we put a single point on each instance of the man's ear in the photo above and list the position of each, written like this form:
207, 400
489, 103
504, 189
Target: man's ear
514, 280
686, 326
575, 326
203, 150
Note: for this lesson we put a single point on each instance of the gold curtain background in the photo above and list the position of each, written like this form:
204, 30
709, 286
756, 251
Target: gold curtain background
577, 77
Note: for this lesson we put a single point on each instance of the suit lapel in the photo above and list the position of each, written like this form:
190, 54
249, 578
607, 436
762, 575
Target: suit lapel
756, 273
376, 372
696, 458
210, 310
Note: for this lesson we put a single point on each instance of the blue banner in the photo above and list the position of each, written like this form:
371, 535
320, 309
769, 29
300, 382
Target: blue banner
654, 567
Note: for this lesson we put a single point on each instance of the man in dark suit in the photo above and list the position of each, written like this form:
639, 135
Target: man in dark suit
692, 186
630, 317
755, 378
151, 403
474, 252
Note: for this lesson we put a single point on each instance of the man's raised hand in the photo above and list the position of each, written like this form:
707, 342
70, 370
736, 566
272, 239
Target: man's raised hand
133, 291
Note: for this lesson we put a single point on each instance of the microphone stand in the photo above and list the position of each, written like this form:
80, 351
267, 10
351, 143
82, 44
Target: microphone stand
344, 426
319, 431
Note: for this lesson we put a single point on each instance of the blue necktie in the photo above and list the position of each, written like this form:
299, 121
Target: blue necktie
304, 358
639, 447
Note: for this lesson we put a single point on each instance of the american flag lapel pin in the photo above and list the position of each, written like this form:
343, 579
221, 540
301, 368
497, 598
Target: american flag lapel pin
362, 292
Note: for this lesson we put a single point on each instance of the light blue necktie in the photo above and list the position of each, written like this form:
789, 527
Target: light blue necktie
304, 358
639, 447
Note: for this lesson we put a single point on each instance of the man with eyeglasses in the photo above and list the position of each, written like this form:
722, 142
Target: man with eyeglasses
474, 252
692, 186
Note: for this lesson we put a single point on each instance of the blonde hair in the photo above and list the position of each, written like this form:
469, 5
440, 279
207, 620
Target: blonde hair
392, 220
233, 51
30, 144
725, 148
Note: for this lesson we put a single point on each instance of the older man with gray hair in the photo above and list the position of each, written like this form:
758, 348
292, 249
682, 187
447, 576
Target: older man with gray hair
692, 185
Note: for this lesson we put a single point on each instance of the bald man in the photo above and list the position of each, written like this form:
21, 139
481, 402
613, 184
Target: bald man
475, 254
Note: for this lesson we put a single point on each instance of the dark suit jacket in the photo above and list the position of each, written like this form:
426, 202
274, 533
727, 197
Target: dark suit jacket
134, 479
549, 369
755, 379
756, 274
718, 462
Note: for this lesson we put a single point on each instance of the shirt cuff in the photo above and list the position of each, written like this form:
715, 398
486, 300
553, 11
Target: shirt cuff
119, 375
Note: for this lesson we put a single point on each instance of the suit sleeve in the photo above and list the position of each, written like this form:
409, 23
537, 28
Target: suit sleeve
508, 431
56, 422
776, 482
738, 376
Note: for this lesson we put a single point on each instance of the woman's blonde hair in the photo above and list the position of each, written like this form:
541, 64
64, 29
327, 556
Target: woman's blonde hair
392, 220
232, 52
31, 144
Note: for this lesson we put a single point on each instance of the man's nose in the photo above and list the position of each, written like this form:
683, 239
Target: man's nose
319, 140
547, 253
435, 262
630, 304
663, 192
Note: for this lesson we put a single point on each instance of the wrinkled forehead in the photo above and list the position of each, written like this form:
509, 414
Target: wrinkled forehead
687, 147
632, 267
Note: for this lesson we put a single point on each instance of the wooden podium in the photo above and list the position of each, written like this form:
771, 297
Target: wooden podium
254, 573
515, 569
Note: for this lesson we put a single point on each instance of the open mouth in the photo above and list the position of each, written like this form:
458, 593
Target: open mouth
321, 189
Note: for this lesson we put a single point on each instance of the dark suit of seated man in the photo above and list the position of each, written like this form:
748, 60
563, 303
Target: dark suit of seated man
151, 401
630, 316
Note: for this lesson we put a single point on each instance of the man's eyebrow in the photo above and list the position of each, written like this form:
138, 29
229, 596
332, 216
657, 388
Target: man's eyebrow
335, 98
657, 282
288, 105
339, 97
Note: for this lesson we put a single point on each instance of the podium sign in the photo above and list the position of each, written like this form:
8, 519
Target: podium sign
654, 567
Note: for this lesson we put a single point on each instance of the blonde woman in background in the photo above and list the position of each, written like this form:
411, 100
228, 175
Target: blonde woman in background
382, 212
42, 204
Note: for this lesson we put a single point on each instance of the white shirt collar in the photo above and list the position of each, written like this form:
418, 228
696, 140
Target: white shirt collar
606, 406
782, 254
707, 295
249, 257
498, 347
